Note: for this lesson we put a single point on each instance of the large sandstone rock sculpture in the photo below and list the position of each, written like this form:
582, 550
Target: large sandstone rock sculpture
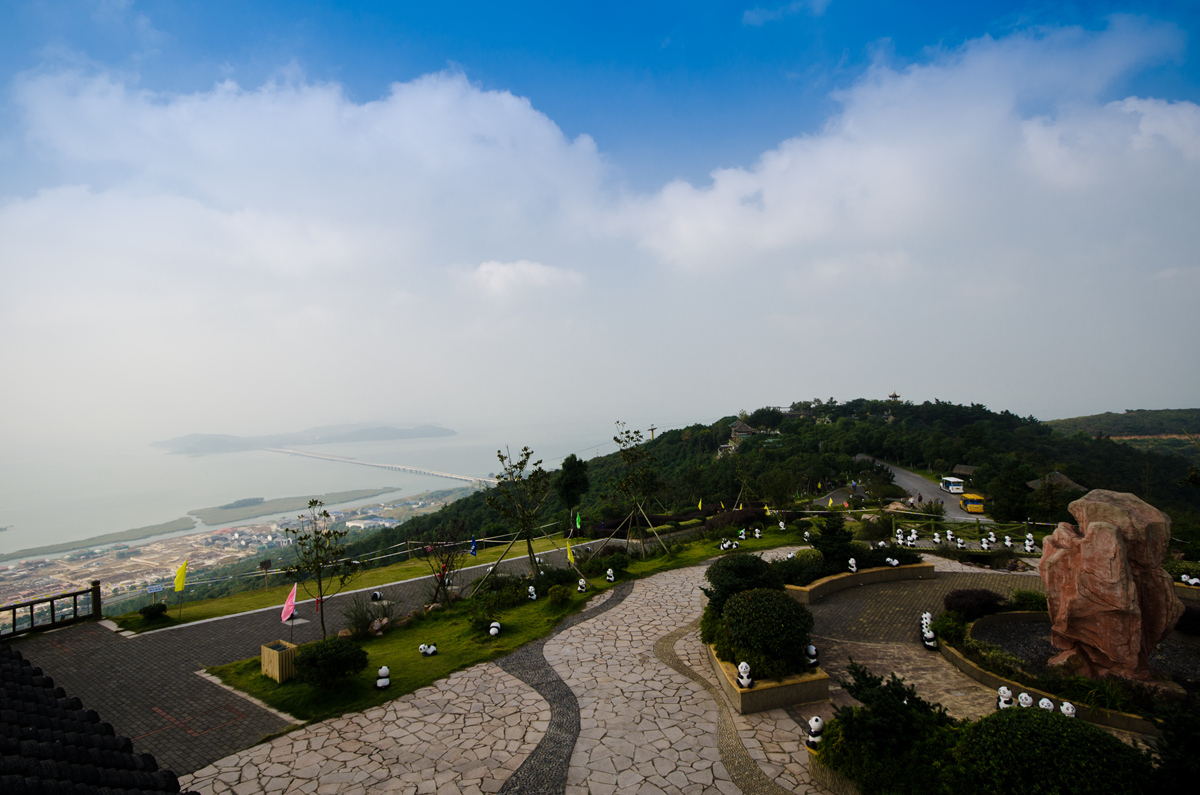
1110, 601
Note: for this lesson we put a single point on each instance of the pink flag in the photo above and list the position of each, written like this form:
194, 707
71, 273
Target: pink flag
289, 606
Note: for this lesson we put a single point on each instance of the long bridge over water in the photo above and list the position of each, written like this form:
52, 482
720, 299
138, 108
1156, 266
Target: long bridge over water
393, 467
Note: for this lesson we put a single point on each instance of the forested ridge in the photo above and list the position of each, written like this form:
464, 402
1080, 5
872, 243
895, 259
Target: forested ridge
815, 444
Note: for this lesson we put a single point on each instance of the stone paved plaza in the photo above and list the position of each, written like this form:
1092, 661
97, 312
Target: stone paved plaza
621, 698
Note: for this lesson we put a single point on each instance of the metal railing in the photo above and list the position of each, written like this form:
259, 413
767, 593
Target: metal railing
48, 612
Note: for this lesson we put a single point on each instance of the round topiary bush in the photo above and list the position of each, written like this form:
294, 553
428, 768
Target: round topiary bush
766, 628
736, 573
558, 594
327, 662
973, 603
1036, 751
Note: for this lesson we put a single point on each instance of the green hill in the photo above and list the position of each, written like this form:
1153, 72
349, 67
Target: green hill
1163, 431
1133, 422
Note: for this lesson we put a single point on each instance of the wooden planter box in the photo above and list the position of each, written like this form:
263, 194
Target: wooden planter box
279, 660
769, 693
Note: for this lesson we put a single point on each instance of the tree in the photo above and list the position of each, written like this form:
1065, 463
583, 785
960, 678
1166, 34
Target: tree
572, 482
321, 565
519, 494
639, 480
444, 557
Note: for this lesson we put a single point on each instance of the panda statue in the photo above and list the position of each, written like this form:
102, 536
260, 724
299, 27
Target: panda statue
1004, 698
532, 594
1046, 704
853, 566
1067, 709
757, 533
811, 655
608, 575
383, 681
791, 556
1025, 700
744, 681
427, 650
815, 727
928, 639
742, 534
494, 629
582, 585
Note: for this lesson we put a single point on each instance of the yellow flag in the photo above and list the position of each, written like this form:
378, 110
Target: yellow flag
700, 506
768, 510
181, 576
570, 554
722, 505
739, 506
831, 502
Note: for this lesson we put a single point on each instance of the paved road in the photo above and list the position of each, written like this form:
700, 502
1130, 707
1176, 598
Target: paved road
915, 484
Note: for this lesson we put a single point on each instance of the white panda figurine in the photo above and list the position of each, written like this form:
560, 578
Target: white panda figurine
494, 629
532, 594
937, 538
983, 544
742, 534
1046, 704
734, 545
608, 575
744, 681
815, 727
992, 536
782, 526
1004, 698
791, 556
853, 566
1067, 709
928, 639
582, 585
1008, 542
758, 533
881, 545
806, 536
428, 650
383, 681
961, 544
376, 596
949, 536
422, 648
811, 655
1193, 581
1025, 700
1028, 546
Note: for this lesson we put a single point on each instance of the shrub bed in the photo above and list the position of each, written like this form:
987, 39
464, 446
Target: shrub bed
767, 629
327, 662
898, 743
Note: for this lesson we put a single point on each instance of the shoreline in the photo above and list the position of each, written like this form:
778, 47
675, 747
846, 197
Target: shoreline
175, 528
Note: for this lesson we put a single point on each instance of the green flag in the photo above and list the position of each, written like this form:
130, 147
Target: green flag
578, 521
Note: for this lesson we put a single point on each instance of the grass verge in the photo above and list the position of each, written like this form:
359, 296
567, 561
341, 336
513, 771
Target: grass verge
275, 596
459, 644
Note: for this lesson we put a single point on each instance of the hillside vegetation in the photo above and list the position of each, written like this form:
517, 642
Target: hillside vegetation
1163, 431
793, 455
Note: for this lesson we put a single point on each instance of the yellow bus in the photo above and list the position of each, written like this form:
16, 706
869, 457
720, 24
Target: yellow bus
971, 503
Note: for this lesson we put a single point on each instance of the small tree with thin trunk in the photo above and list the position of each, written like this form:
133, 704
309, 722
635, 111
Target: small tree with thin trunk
572, 483
321, 565
444, 557
265, 565
519, 495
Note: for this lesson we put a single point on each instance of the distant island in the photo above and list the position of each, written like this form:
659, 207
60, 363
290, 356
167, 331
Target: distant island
254, 507
197, 444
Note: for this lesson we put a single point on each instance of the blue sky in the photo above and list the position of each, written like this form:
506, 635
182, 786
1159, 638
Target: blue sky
458, 205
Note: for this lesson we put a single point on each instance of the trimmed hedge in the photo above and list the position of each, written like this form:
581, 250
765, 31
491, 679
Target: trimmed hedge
973, 603
736, 573
993, 757
327, 662
767, 629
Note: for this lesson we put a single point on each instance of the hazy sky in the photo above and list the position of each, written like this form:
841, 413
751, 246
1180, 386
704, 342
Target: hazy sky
252, 218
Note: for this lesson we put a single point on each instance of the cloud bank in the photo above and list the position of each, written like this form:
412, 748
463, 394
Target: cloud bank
987, 225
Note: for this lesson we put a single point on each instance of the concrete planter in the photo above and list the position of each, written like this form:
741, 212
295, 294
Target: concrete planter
827, 779
819, 589
1103, 717
1188, 593
279, 660
769, 693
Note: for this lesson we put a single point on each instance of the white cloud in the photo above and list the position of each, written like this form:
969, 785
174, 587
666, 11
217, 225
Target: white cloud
257, 237
502, 279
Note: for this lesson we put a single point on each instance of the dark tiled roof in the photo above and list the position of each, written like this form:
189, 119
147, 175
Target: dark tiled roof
51, 745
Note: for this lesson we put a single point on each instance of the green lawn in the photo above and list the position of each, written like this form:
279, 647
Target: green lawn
459, 645
275, 596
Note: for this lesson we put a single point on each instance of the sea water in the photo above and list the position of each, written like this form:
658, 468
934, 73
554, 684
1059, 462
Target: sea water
51, 495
